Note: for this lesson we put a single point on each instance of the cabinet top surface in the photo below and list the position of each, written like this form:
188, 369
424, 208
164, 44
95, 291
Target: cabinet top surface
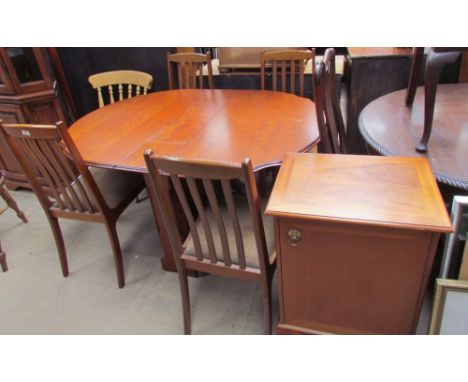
374, 52
386, 191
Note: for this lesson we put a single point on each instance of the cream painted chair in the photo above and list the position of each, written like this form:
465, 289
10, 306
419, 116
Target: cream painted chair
137, 83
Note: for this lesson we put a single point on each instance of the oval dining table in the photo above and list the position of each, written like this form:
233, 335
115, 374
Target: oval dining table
391, 128
217, 125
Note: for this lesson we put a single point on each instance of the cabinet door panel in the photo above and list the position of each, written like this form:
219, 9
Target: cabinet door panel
366, 278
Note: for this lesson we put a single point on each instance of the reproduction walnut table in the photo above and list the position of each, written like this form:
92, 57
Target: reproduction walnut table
393, 129
355, 240
218, 125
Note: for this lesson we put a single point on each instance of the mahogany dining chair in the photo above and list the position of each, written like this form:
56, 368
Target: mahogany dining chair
67, 187
189, 69
327, 105
229, 237
288, 61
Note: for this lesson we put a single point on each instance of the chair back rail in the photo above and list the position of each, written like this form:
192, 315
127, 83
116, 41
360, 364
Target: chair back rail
203, 179
137, 83
327, 103
189, 70
288, 61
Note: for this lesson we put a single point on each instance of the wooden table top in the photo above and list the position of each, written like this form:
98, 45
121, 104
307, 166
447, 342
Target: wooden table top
218, 125
393, 129
359, 189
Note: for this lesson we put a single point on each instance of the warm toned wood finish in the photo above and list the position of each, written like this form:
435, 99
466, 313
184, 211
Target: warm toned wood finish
288, 61
10, 201
393, 129
217, 125
28, 94
216, 243
137, 83
3, 262
356, 238
78, 193
327, 103
436, 60
189, 70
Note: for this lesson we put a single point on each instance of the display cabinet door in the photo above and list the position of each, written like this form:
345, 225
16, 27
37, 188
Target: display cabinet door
27, 68
6, 86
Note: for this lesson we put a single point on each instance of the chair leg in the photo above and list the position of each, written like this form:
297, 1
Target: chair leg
12, 203
117, 251
267, 308
185, 294
3, 262
57, 232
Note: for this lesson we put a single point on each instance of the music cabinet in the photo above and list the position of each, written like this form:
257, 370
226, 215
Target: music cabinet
355, 239
28, 94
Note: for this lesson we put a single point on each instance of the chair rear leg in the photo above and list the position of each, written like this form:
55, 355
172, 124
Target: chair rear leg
57, 232
3, 262
267, 307
117, 252
185, 294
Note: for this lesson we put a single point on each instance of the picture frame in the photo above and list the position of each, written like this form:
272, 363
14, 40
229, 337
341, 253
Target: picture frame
450, 310
454, 241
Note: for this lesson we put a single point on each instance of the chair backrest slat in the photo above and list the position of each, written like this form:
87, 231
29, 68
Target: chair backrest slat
111, 93
30, 149
283, 76
188, 214
219, 220
292, 65
188, 64
77, 188
205, 177
63, 180
202, 214
327, 104
287, 60
131, 78
53, 172
227, 192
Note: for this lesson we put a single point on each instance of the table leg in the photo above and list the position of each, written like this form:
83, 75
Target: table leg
434, 65
167, 261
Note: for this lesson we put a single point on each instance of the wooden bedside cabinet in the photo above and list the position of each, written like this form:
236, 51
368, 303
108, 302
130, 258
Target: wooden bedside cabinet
356, 238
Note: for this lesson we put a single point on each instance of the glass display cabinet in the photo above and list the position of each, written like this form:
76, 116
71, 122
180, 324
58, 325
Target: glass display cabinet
28, 94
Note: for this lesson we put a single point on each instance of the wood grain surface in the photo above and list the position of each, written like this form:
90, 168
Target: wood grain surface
393, 129
219, 125
396, 192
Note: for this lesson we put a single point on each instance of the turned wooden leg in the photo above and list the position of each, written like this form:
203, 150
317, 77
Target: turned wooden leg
434, 65
6, 196
3, 262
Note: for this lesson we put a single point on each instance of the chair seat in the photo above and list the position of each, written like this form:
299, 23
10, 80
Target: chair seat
114, 185
245, 222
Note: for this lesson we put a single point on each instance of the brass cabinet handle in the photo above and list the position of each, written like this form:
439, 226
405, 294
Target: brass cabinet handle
294, 237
